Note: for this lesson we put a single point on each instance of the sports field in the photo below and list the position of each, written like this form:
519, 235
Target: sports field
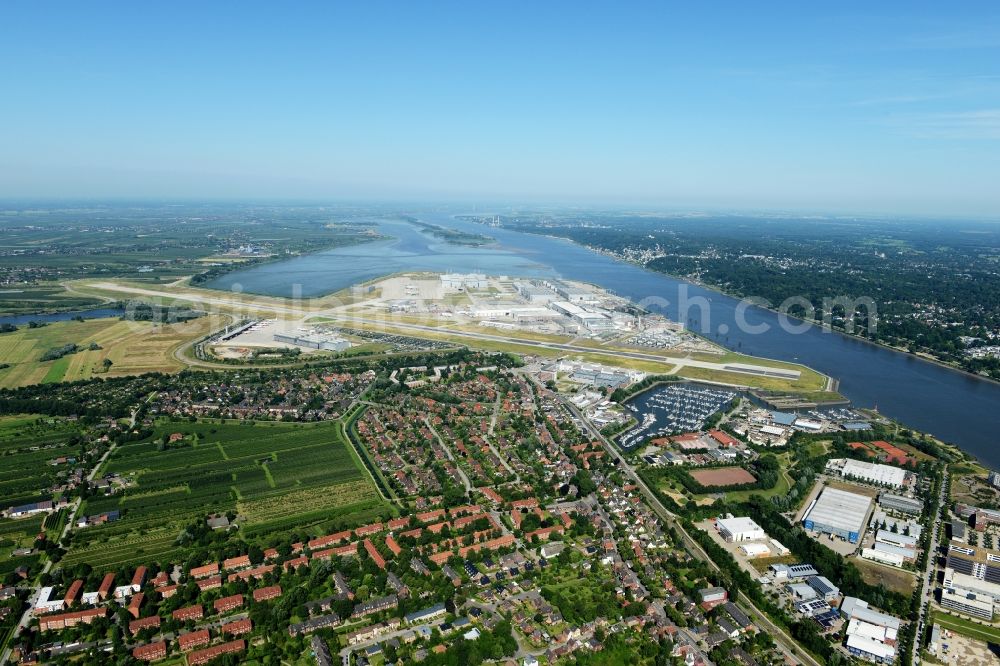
132, 347
276, 477
723, 476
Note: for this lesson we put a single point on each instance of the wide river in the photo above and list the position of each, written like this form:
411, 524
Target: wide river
954, 406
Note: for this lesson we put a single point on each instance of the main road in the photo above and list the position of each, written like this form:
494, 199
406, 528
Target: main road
929, 574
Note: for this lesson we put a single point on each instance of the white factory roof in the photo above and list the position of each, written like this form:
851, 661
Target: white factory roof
893, 559
871, 646
754, 549
569, 308
740, 525
858, 627
875, 472
853, 607
840, 509
896, 539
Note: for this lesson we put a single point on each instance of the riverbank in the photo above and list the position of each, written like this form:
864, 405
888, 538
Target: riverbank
922, 356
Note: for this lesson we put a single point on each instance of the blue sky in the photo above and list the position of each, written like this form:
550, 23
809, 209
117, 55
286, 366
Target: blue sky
886, 107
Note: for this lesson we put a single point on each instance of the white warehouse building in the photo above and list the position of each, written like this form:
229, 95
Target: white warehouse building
868, 472
740, 529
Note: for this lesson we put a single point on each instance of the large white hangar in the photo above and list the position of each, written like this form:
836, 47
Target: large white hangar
838, 512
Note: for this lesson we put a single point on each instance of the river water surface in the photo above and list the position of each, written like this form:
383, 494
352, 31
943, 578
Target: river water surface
954, 406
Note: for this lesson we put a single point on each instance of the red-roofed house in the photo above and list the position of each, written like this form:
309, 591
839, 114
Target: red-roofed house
189, 613
54, 622
213, 583
265, 593
105, 589
237, 628
365, 530
374, 554
329, 539
491, 495
392, 545
238, 562
135, 626
72, 593
205, 571
295, 563
228, 603
135, 604
193, 639
150, 651
138, 579
168, 591
208, 654
399, 523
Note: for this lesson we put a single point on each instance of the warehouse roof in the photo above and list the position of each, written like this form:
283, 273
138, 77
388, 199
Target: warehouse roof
839, 509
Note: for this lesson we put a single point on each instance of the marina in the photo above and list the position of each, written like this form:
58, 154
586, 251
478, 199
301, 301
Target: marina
671, 409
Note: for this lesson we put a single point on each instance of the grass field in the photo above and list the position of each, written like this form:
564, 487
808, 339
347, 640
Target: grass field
968, 628
132, 347
885, 576
276, 476
42, 298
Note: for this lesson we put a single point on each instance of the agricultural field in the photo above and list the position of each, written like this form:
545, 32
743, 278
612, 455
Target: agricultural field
43, 297
132, 347
28, 445
274, 476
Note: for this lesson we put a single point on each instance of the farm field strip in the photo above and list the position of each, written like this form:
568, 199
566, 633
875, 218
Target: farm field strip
275, 476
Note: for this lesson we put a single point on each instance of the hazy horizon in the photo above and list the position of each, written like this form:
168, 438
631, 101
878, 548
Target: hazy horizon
888, 110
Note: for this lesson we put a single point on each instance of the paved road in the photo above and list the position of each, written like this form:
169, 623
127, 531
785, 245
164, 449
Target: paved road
451, 456
929, 573
785, 642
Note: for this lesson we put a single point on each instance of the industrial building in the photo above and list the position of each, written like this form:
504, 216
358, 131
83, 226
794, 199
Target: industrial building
572, 294
824, 588
852, 607
838, 512
534, 293
595, 322
464, 281
892, 559
740, 529
954, 579
896, 539
908, 505
754, 549
959, 531
313, 341
968, 603
908, 554
871, 642
869, 472
973, 561
785, 572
